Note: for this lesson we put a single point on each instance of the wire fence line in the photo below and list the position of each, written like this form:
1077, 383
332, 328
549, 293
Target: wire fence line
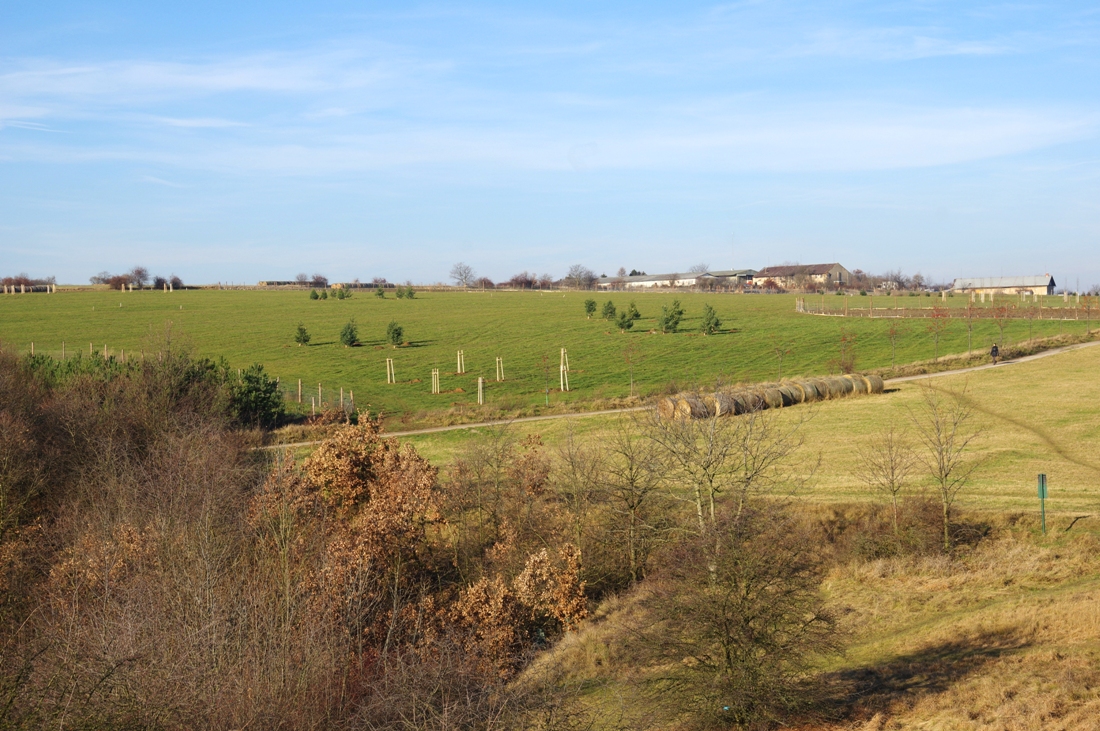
1068, 312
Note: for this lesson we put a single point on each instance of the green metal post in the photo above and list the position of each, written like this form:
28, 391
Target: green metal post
1043, 500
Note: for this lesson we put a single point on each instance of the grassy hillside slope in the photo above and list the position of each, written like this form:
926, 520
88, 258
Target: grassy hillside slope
1002, 635
521, 327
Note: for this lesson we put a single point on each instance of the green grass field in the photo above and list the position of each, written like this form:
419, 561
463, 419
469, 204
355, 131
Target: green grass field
523, 328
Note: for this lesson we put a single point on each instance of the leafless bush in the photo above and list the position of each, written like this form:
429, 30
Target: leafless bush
732, 643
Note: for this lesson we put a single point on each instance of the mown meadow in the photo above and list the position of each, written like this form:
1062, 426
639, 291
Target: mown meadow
759, 335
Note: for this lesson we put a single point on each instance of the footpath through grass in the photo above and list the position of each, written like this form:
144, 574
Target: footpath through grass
526, 329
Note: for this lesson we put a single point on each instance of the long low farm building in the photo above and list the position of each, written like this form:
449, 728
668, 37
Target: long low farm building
1040, 284
716, 278
797, 276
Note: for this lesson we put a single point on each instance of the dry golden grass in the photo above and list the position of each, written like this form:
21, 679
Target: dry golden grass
1004, 635
1007, 637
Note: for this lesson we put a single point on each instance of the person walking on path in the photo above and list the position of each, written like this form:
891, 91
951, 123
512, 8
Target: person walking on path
994, 352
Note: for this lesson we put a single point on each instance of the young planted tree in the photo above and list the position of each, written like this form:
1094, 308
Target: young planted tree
324, 294
410, 293
885, 466
400, 292
943, 428
255, 399
349, 335
710, 323
313, 295
608, 311
589, 308
395, 334
632, 356
781, 351
302, 336
379, 292
632, 310
624, 322
894, 331
846, 359
670, 317
936, 326
1001, 315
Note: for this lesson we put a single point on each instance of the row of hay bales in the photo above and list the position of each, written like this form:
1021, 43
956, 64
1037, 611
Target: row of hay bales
766, 396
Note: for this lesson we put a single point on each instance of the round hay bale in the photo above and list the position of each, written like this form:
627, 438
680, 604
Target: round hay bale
838, 387
754, 401
773, 398
740, 403
805, 395
666, 408
690, 406
791, 394
858, 384
821, 386
809, 391
877, 384
720, 404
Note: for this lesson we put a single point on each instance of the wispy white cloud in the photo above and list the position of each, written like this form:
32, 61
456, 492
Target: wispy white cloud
892, 44
133, 80
757, 134
199, 122
161, 181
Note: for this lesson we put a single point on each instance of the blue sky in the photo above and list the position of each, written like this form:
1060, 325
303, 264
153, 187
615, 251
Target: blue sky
245, 141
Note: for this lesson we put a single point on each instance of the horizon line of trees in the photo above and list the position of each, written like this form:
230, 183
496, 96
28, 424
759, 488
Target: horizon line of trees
138, 277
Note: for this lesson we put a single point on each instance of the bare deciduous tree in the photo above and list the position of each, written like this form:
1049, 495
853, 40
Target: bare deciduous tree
943, 427
580, 277
633, 478
733, 641
748, 455
462, 274
886, 464
139, 276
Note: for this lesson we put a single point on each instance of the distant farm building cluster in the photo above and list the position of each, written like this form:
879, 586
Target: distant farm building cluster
793, 276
